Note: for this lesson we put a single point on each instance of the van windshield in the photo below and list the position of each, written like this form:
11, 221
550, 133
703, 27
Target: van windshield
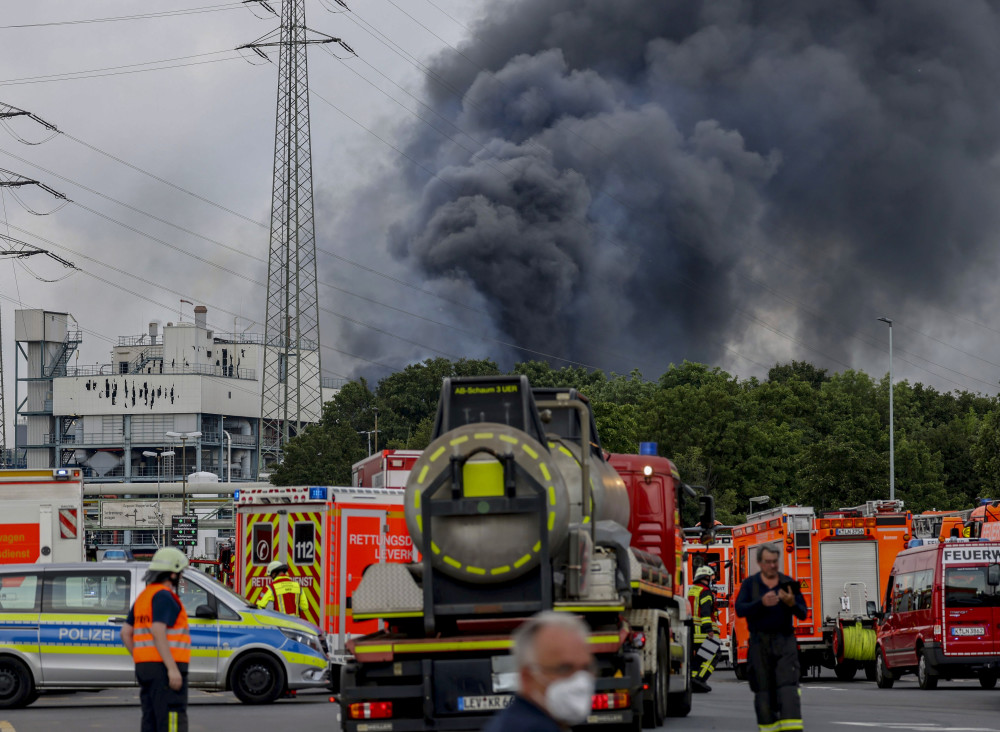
966, 587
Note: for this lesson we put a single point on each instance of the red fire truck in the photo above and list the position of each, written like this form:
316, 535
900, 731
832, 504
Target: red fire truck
719, 556
328, 536
842, 560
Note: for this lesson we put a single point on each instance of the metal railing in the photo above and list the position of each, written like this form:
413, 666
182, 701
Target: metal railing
150, 353
144, 339
333, 382
89, 438
228, 372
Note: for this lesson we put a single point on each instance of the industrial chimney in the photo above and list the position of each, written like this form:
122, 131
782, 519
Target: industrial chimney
200, 316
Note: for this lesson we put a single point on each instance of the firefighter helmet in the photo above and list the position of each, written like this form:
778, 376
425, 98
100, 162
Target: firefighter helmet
276, 566
168, 559
704, 572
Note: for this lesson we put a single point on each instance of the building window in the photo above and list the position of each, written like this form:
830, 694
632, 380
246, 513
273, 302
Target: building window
123, 367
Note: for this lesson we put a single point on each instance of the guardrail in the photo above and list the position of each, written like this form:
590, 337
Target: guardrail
107, 370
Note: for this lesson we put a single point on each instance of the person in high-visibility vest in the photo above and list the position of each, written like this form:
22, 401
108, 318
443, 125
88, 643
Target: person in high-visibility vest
156, 634
706, 629
287, 594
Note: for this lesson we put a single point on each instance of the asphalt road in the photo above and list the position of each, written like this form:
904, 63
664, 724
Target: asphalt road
828, 706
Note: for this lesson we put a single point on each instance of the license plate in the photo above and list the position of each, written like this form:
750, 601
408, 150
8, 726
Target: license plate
969, 630
484, 703
850, 532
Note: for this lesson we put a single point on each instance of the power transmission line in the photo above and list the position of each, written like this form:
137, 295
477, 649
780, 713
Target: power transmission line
138, 16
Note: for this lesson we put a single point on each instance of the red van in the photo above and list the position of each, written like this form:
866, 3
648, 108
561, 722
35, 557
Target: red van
941, 616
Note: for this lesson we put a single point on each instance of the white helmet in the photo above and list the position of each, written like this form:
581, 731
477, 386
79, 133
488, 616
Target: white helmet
275, 566
168, 559
704, 572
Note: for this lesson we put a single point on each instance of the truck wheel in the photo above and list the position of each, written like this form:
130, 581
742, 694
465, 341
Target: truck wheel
740, 669
870, 670
679, 703
654, 710
257, 679
884, 678
925, 677
845, 670
988, 679
17, 688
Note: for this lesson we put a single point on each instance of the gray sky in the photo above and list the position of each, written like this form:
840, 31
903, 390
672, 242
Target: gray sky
603, 183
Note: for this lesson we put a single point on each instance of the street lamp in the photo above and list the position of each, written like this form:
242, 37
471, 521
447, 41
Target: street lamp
892, 451
184, 437
229, 457
159, 512
758, 499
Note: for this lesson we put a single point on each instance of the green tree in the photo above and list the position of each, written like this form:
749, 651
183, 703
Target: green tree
800, 371
986, 453
320, 456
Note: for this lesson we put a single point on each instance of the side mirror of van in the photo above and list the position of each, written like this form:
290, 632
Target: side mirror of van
993, 575
205, 611
872, 609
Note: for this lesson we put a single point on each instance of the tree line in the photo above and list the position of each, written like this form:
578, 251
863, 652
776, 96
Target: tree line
799, 436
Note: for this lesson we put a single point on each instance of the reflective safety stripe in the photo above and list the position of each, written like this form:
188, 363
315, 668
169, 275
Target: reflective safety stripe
178, 637
773, 727
172, 721
784, 725
287, 595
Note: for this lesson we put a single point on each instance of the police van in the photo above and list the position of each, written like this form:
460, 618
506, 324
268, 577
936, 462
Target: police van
60, 628
941, 615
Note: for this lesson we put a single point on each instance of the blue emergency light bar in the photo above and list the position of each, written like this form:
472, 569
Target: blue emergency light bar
647, 448
317, 493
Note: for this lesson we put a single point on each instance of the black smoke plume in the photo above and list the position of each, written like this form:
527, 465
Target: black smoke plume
643, 181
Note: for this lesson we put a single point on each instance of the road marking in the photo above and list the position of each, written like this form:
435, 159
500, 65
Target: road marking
823, 688
918, 726
6, 726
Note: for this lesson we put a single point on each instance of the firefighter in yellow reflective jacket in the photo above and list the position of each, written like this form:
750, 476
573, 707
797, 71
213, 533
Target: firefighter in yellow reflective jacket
286, 593
706, 629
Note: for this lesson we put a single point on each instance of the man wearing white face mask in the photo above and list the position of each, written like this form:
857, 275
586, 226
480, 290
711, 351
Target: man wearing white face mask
556, 674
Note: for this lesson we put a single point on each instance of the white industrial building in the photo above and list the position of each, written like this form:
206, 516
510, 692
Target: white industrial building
103, 418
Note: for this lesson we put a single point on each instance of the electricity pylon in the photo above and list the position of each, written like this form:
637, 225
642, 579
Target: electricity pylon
291, 394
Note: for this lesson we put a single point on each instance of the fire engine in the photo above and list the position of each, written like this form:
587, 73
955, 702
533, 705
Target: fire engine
719, 556
982, 522
515, 509
328, 536
384, 469
842, 559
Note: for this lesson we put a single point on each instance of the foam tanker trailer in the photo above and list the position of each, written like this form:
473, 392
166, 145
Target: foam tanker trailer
515, 511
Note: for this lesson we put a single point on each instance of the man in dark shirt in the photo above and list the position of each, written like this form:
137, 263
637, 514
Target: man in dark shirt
768, 600
156, 634
555, 675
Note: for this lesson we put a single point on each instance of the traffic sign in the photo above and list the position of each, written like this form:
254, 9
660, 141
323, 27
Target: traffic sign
184, 530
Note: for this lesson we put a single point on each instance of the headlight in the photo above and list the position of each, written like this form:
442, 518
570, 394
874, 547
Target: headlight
306, 639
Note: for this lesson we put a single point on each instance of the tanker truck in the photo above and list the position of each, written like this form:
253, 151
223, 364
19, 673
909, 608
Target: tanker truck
514, 509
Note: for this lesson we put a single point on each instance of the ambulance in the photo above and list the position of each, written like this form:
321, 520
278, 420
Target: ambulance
327, 536
939, 616
718, 555
841, 560
42, 516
